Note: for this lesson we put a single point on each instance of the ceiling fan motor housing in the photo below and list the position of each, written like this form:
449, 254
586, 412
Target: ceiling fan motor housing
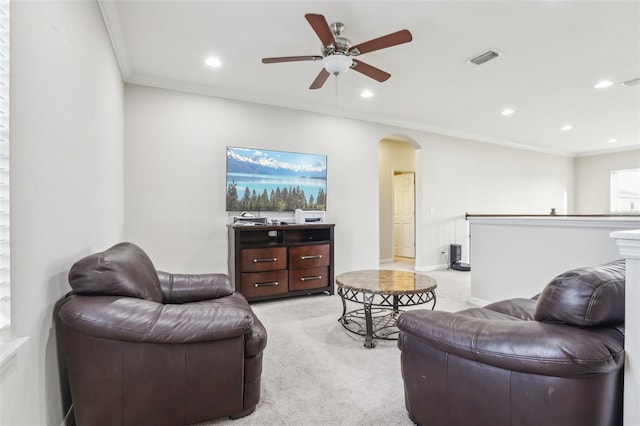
343, 44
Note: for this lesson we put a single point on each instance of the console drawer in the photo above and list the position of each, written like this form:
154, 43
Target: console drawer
260, 284
263, 259
311, 256
303, 279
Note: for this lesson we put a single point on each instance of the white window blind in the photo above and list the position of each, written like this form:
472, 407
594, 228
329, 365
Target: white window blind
5, 276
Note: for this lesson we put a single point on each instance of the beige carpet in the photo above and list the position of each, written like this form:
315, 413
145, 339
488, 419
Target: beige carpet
316, 373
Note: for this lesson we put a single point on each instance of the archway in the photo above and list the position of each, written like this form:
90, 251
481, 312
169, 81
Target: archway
399, 210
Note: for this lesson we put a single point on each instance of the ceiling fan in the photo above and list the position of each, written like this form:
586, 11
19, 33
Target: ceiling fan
337, 51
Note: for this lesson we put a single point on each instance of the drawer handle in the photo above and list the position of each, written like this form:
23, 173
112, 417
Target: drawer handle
271, 284
270, 259
317, 277
315, 256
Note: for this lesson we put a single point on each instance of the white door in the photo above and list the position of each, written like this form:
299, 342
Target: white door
404, 215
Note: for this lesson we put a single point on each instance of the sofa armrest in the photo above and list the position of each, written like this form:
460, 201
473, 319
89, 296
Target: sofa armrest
534, 347
138, 320
184, 288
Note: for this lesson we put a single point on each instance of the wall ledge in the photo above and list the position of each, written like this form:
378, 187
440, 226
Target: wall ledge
582, 222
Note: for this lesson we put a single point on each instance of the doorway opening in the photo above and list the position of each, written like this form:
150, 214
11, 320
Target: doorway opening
399, 200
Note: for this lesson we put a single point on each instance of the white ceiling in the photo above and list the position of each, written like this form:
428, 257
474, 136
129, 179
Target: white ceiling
553, 52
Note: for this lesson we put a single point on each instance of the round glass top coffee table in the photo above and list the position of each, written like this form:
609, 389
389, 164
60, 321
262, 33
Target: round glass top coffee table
382, 293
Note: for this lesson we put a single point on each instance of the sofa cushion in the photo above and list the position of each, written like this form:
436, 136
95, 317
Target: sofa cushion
589, 296
123, 270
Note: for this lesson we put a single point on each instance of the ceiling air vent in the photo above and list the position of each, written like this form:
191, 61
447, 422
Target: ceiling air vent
632, 82
484, 57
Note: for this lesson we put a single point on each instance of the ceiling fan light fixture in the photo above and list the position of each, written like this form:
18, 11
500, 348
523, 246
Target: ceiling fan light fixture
337, 63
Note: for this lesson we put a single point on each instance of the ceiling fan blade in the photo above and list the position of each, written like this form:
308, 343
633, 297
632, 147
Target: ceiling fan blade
370, 71
290, 59
389, 40
321, 27
320, 79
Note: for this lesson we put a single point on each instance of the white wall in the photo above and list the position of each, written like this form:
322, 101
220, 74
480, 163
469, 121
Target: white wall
66, 182
592, 179
460, 176
175, 167
175, 171
517, 257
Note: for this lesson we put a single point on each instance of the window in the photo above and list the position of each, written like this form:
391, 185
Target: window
625, 191
5, 285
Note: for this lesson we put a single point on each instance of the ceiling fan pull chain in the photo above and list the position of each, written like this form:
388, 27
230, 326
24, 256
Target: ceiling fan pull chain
336, 94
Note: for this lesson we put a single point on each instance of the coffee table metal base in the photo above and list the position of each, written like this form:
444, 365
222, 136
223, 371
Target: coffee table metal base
377, 320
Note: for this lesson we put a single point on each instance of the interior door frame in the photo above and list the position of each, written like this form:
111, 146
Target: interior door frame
393, 200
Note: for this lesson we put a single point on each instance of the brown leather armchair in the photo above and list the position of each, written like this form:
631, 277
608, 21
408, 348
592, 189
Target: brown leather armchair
145, 347
555, 359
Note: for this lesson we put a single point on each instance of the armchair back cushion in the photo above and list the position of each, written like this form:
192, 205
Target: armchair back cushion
123, 270
587, 297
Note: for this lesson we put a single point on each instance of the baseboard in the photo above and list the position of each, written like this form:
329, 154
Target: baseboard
69, 419
478, 302
386, 260
430, 268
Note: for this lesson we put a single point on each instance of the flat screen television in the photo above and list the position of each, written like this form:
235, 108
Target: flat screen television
266, 180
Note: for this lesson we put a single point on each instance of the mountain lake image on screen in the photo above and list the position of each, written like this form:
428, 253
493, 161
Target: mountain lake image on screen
266, 180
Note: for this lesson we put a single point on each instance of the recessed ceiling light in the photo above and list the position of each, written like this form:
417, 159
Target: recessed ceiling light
603, 84
566, 127
366, 93
612, 141
507, 111
213, 62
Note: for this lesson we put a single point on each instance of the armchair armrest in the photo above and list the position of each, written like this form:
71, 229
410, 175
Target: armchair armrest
528, 346
184, 288
138, 320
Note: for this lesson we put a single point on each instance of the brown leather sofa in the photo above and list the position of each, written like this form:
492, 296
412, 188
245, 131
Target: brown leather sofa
145, 347
555, 359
